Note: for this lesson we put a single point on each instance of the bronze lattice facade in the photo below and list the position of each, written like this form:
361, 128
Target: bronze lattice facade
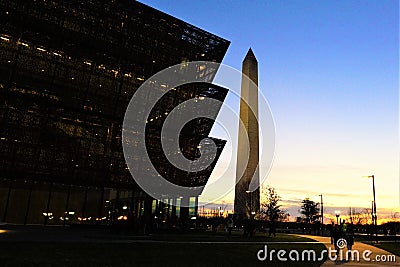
67, 72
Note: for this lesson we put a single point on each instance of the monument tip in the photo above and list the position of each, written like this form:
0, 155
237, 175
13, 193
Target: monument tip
250, 55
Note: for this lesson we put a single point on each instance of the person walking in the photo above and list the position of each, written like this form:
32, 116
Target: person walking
229, 225
350, 236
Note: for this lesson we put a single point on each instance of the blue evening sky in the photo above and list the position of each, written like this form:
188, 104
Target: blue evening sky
329, 70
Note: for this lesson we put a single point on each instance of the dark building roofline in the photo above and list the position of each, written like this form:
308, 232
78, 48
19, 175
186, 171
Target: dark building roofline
170, 17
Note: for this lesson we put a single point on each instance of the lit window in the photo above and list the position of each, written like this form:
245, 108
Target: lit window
24, 44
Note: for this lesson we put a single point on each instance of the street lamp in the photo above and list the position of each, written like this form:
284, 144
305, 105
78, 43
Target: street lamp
374, 215
337, 213
221, 212
322, 215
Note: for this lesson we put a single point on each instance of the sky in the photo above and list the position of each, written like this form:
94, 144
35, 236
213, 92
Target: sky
329, 71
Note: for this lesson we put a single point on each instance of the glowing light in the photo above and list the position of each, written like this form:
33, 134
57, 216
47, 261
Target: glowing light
115, 72
140, 79
41, 49
88, 63
125, 207
4, 39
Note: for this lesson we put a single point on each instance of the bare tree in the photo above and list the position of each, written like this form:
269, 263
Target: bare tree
394, 216
359, 216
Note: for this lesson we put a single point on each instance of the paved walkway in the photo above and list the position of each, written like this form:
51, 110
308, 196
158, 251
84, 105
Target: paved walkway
376, 257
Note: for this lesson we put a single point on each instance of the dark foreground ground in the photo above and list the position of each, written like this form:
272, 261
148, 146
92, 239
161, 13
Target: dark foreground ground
54, 246
388, 243
391, 246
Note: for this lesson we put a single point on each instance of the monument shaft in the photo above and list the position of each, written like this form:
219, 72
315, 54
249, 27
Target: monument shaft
247, 193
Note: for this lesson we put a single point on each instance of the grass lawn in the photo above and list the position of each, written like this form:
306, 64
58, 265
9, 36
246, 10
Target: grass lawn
153, 253
236, 236
392, 247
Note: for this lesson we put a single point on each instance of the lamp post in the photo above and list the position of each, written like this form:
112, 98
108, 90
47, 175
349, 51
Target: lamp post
374, 215
322, 216
337, 213
221, 212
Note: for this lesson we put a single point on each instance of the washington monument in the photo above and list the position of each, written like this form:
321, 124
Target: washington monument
247, 192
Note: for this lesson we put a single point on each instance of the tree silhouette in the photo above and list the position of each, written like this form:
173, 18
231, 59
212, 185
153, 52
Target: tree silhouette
270, 208
309, 210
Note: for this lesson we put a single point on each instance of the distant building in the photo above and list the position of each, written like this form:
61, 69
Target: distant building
67, 72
